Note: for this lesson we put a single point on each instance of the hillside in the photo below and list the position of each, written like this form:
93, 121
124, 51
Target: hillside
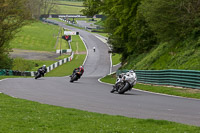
183, 55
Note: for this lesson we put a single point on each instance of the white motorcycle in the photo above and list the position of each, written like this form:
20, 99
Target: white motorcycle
125, 82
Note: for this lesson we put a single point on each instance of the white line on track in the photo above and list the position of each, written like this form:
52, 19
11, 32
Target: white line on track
86, 49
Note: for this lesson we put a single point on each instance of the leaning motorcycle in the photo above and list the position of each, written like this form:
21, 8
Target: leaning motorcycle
75, 76
39, 73
124, 84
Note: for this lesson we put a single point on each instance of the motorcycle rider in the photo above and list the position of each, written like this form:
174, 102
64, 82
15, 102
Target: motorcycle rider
129, 76
80, 69
42, 70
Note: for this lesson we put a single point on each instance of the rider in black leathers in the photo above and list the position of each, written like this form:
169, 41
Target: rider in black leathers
44, 70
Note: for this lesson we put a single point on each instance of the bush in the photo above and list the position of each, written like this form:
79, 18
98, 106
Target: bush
22, 64
6, 62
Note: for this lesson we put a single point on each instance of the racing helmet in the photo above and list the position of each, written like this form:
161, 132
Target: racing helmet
131, 71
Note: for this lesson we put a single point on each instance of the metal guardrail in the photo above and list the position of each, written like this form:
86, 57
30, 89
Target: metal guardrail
173, 77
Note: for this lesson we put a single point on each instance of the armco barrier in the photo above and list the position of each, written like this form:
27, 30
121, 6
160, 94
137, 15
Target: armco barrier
173, 77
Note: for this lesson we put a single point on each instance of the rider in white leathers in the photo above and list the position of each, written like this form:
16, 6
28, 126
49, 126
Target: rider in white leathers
129, 76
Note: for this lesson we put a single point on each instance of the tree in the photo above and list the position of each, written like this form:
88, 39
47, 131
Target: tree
172, 19
13, 15
38, 7
48, 6
120, 17
91, 7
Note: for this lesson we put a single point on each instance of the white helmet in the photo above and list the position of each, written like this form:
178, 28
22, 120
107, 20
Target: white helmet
44, 65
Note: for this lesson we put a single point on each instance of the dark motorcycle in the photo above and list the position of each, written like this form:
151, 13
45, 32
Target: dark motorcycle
39, 73
75, 76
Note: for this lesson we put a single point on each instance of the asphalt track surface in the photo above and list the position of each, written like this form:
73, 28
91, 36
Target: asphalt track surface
91, 95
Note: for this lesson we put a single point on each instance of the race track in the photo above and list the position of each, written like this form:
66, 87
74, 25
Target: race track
91, 95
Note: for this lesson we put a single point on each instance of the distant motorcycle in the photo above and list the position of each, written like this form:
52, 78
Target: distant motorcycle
75, 76
125, 82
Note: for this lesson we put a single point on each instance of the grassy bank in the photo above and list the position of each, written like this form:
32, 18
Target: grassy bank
183, 55
183, 92
116, 59
22, 116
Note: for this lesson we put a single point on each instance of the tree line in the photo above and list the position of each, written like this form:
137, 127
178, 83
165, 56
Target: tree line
137, 26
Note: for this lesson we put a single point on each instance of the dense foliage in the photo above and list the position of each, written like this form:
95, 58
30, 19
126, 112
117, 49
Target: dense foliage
140, 28
13, 15
92, 7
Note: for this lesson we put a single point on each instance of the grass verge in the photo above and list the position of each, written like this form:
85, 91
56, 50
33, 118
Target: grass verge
183, 92
67, 68
116, 59
77, 44
22, 116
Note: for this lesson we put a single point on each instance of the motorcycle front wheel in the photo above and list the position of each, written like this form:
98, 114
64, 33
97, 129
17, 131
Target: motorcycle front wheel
125, 88
37, 75
73, 78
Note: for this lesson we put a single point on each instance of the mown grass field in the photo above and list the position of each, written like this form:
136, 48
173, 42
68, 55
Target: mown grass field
70, 7
22, 116
75, 3
36, 36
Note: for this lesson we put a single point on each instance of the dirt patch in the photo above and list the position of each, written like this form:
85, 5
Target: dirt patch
83, 52
34, 55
